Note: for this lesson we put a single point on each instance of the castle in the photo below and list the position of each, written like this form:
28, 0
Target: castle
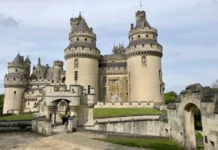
129, 74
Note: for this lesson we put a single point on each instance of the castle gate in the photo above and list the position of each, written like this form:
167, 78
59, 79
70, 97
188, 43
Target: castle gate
181, 116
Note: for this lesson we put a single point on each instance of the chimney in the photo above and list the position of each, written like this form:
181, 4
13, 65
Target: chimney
132, 26
39, 61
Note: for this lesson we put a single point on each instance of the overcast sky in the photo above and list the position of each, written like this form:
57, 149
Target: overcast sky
188, 32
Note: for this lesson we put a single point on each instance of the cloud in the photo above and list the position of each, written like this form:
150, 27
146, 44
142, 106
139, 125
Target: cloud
8, 21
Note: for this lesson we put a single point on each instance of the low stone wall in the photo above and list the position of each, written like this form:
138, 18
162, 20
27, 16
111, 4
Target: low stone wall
15, 126
148, 127
120, 104
42, 125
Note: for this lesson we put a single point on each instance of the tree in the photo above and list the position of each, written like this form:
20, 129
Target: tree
1, 102
215, 85
170, 97
197, 118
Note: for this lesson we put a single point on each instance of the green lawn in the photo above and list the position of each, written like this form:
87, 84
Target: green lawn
122, 112
156, 144
17, 117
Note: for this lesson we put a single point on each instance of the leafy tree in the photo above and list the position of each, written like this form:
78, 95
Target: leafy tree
1, 102
170, 97
197, 117
215, 85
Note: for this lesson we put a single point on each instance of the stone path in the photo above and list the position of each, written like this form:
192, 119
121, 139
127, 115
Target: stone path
59, 129
63, 141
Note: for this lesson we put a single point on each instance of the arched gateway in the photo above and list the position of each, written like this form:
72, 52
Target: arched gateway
181, 116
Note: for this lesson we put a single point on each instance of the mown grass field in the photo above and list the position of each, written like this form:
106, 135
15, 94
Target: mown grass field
122, 112
17, 117
156, 144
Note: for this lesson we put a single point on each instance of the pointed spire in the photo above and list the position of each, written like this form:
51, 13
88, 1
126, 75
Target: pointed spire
18, 59
80, 16
83, 26
27, 60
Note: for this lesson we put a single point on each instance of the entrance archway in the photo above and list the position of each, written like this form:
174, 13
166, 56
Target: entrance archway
190, 132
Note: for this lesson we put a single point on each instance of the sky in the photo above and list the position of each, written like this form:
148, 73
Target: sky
187, 30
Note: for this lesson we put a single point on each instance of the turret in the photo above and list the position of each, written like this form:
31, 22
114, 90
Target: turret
144, 62
82, 56
58, 67
15, 83
28, 64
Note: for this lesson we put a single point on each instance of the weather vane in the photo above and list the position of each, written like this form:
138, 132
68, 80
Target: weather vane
140, 4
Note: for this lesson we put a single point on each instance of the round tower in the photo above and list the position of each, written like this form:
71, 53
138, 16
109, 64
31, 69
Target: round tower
58, 67
144, 62
15, 83
82, 56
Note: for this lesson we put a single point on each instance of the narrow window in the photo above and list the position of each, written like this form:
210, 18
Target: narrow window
14, 92
7, 79
135, 46
89, 86
151, 45
82, 48
104, 79
76, 75
143, 45
14, 79
75, 47
92, 41
138, 36
15, 70
160, 89
105, 91
146, 35
153, 37
160, 74
85, 39
132, 38
77, 39
28, 103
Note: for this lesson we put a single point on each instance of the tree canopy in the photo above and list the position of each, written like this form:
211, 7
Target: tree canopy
1, 102
170, 97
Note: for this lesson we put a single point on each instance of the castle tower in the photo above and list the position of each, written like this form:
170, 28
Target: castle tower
15, 83
82, 56
28, 64
144, 62
58, 67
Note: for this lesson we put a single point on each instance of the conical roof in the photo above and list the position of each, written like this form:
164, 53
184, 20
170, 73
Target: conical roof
83, 26
139, 24
18, 59
27, 60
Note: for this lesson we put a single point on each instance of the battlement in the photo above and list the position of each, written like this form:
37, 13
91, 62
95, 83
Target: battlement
140, 13
143, 30
82, 33
58, 63
125, 104
82, 50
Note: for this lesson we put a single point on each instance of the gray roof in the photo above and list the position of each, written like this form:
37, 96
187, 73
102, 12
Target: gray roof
115, 64
195, 87
83, 26
16, 75
82, 44
50, 74
18, 59
139, 24
171, 105
27, 60
143, 41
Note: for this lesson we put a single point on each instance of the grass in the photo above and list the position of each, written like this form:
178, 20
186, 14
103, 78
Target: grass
122, 112
17, 117
199, 136
156, 144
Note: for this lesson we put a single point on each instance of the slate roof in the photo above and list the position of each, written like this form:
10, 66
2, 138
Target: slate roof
27, 60
143, 41
115, 64
139, 24
18, 59
82, 44
195, 87
83, 26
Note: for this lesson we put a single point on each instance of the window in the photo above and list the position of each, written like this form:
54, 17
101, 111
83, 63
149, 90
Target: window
28, 103
37, 85
89, 86
104, 91
151, 45
104, 79
14, 79
7, 79
76, 75
85, 39
138, 36
77, 39
75, 47
92, 41
153, 37
14, 92
143, 45
15, 70
82, 48
160, 74
146, 35
160, 89
135, 46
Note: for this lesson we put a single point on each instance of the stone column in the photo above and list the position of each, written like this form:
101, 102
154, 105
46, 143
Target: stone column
90, 121
72, 122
